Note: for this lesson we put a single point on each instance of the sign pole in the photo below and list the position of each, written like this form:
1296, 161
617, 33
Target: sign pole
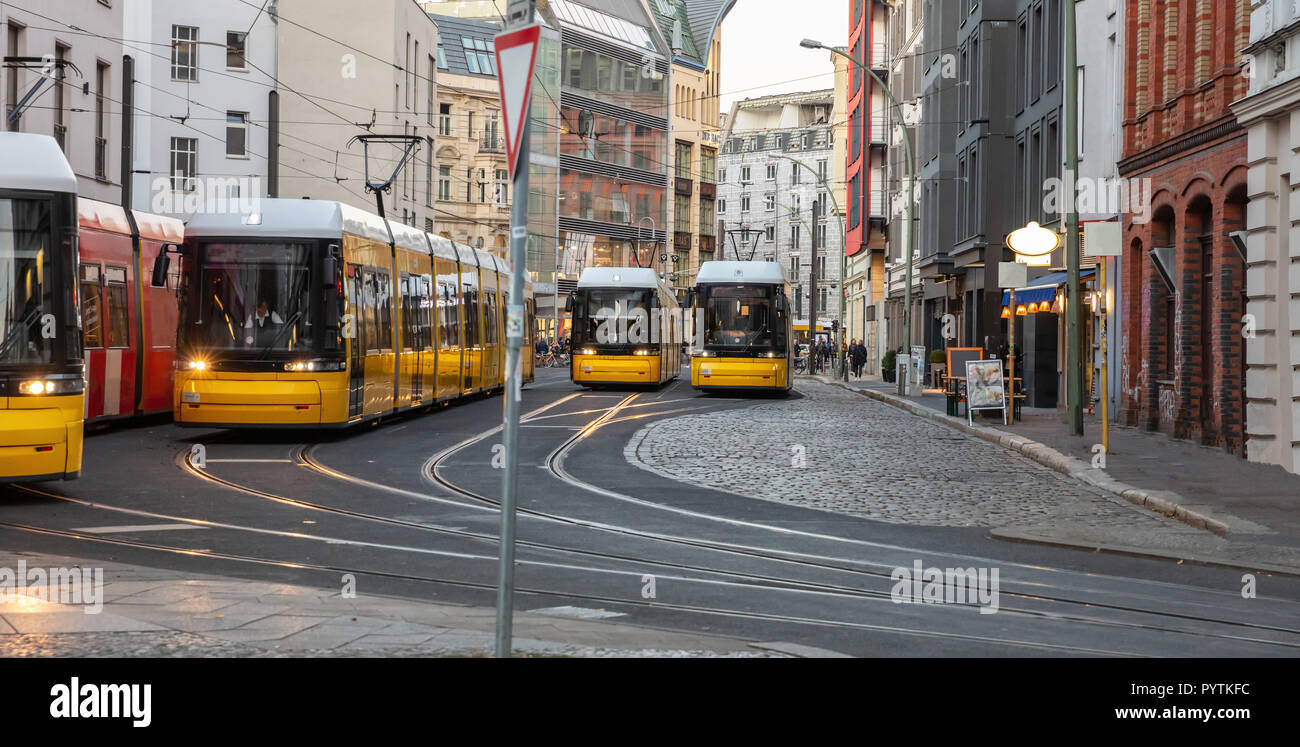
516, 116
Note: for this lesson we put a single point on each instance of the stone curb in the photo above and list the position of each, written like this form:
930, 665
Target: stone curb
1165, 503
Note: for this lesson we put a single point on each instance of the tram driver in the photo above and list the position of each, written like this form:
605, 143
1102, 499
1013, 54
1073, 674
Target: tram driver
263, 325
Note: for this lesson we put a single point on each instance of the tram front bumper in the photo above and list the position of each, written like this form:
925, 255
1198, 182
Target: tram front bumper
247, 402
615, 369
42, 443
739, 373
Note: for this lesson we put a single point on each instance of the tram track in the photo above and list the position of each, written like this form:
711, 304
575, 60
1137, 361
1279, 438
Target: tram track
302, 455
569, 595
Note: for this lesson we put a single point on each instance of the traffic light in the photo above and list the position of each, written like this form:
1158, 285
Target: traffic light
835, 325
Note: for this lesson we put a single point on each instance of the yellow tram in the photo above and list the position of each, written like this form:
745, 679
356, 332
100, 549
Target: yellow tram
626, 328
42, 371
746, 325
310, 313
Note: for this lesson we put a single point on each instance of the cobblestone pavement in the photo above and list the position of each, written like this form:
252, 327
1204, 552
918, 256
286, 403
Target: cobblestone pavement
865, 458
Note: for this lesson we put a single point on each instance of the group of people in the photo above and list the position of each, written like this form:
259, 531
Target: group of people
824, 355
548, 345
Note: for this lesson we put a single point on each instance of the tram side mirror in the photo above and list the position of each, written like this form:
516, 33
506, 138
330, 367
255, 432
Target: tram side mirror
780, 302
161, 264
328, 272
568, 303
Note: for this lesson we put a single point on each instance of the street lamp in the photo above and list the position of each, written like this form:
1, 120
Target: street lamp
911, 194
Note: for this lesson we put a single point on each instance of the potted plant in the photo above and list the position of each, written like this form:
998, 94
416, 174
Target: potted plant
887, 365
938, 367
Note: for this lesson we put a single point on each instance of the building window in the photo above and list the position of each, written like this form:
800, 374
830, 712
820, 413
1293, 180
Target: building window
708, 165
744, 175
101, 121
771, 172
794, 268
184, 157
236, 48
794, 236
769, 201
744, 204
433, 93
442, 58
444, 183
683, 160
795, 174
502, 195
821, 299
236, 135
722, 175
821, 271
185, 53
769, 233
681, 213
707, 218
444, 119
722, 206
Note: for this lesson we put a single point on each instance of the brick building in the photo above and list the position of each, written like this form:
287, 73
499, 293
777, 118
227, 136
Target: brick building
1183, 285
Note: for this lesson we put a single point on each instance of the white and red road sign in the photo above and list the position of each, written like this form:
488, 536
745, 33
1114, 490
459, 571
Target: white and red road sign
516, 52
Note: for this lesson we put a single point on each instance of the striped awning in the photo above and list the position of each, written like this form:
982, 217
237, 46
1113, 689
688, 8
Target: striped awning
1044, 288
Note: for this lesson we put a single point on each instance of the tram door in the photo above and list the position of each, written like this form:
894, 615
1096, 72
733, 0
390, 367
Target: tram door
356, 346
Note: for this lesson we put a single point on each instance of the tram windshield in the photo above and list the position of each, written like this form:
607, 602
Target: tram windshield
253, 298
614, 307
742, 317
26, 290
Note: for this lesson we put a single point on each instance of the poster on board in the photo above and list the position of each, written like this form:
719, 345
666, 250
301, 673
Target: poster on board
984, 388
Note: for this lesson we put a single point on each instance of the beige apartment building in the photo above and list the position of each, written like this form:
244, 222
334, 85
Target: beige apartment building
469, 165
694, 133
385, 75
74, 99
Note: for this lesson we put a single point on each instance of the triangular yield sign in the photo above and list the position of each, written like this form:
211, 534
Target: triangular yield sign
516, 51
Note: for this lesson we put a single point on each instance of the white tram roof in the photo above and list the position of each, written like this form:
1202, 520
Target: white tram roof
740, 272
34, 162
618, 277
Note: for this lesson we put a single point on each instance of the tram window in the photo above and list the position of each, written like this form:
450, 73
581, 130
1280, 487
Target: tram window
739, 316
404, 298
368, 295
448, 332
489, 318
426, 313
255, 296
115, 307
384, 301
469, 298
357, 308
92, 324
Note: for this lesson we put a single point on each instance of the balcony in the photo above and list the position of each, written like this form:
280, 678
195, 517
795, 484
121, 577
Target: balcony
879, 130
879, 59
101, 158
491, 144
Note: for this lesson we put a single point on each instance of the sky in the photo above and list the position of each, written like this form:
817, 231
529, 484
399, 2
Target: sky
760, 46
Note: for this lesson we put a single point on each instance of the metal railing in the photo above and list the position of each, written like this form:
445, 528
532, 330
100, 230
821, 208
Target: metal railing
491, 144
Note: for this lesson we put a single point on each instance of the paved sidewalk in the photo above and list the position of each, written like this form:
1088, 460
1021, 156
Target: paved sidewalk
148, 612
1254, 508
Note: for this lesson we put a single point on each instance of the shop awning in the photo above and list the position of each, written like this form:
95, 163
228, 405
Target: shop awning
1044, 288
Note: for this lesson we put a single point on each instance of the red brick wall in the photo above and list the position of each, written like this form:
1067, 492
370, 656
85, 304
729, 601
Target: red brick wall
1197, 199
1182, 70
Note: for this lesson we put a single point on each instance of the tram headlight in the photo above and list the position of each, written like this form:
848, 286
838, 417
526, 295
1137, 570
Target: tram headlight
704, 354
47, 387
197, 365
588, 351
645, 351
316, 364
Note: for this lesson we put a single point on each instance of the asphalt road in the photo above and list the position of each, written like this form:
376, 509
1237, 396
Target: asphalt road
408, 507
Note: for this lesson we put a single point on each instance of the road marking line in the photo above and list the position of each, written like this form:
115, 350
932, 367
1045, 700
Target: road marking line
226, 461
135, 528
